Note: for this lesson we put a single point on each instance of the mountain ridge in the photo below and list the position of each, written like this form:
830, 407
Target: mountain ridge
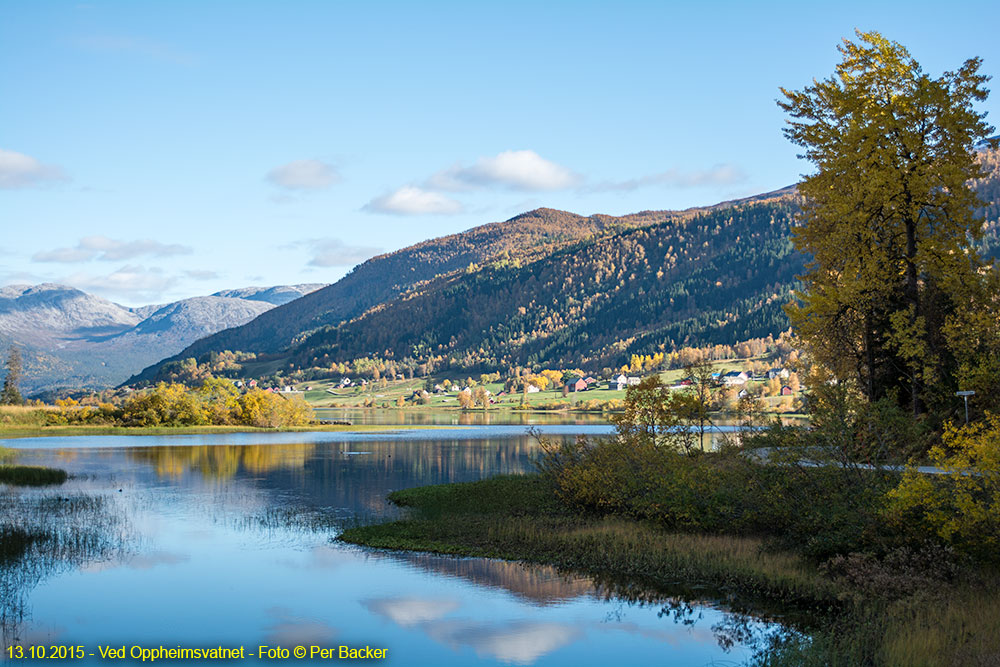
519, 238
72, 338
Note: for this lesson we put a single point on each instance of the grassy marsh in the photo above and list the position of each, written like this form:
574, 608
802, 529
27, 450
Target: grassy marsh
849, 621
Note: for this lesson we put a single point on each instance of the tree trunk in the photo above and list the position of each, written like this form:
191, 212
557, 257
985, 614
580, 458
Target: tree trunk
913, 297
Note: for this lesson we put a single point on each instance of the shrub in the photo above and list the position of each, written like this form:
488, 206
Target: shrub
962, 505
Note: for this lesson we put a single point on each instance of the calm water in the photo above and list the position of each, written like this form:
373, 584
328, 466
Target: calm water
454, 417
203, 541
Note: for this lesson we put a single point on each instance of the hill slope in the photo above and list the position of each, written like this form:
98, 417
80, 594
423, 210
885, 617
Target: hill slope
718, 277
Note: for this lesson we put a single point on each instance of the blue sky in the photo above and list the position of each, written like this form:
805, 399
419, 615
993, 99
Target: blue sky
151, 151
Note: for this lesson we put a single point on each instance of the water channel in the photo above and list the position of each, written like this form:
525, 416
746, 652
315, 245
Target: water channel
227, 540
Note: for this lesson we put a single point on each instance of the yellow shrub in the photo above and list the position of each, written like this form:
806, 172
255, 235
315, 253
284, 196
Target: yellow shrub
962, 505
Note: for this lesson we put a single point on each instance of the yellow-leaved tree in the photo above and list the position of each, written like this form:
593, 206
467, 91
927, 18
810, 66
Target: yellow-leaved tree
962, 504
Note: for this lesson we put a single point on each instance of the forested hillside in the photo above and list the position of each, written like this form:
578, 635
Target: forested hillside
718, 277
551, 287
386, 277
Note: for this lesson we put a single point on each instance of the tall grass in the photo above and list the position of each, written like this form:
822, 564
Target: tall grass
25, 415
31, 475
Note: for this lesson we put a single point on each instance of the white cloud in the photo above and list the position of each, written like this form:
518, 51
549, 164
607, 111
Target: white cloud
515, 170
411, 200
110, 250
130, 282
18, 170
720, 174
334, 252
303, 175
411, 611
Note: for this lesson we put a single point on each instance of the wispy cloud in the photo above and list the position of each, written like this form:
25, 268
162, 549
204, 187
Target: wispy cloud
517, 642
135, 45
110, 250
131, 282
411, 200
515, 170
290, 629
334, 252
721, 174
201, 275
408, 611
18, 170
303, 175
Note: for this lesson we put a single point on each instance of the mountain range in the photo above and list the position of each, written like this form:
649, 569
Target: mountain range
73, 339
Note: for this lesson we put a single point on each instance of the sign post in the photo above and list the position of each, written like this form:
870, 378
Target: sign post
965, 395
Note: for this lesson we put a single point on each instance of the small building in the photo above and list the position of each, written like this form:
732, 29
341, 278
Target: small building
786, 390
621, 378
532, 389
633, 381
735, 378
590, 380
777, 373
578, 384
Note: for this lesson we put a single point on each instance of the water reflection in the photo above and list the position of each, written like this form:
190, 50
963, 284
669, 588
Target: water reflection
539, 584
223, 541
224, 461
455, 417
47, 533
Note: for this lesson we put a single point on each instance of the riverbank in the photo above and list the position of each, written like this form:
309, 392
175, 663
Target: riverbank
852, 621
518, 518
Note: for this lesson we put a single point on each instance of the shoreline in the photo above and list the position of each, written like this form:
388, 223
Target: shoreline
14, 433
513, 517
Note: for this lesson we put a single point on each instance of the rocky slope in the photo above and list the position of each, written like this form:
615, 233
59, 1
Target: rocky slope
73, 339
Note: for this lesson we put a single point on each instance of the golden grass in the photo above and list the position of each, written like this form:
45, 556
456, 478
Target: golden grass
961, 630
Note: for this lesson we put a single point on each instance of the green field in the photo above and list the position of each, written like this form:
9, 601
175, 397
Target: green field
327, 393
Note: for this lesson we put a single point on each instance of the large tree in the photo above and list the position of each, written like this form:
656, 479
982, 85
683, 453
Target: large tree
11, 395
888, 217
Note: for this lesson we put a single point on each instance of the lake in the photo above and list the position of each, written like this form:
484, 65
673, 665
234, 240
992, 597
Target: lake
226, 540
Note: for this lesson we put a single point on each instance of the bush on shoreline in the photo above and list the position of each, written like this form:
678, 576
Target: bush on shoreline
215, 402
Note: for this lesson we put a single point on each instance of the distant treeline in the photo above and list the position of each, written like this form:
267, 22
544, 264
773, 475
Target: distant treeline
214, 402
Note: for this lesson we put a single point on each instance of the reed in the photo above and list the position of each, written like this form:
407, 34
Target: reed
31, 475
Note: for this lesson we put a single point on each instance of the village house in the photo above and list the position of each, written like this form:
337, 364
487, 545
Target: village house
578, 384
735, 378
786, 391
777, 373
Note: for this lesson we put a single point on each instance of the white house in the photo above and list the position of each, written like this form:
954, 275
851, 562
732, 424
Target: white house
735, 378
